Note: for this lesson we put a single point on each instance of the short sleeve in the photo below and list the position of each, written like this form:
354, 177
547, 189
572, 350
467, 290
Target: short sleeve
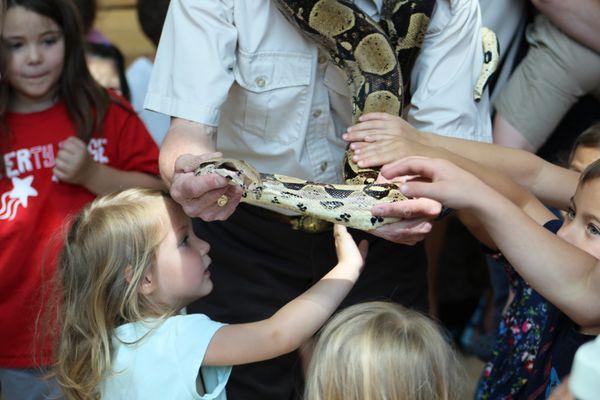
445, 74
553, 225
131, 146
193, 70
193, 334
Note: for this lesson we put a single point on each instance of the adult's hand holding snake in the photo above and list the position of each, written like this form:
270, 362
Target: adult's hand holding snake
200, 195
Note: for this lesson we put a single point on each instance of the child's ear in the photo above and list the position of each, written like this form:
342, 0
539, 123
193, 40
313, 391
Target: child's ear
147, 284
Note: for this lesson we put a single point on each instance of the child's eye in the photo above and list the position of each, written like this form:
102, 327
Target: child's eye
184, 241
571, 213
49, 41
13, 45
593, 230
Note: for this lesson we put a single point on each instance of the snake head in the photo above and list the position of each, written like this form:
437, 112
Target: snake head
237, 172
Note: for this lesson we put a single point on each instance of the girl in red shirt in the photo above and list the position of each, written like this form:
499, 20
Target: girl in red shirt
59, 132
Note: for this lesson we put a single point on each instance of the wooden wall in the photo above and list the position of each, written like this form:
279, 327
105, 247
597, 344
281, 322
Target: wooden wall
117, 19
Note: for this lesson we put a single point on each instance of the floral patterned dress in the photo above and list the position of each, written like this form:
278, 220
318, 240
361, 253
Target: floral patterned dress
535, 346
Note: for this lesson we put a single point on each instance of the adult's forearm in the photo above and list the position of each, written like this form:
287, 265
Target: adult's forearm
553, 185
577, 18
184, 137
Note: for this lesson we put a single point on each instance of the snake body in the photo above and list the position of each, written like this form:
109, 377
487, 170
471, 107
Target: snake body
340, 204
374, 56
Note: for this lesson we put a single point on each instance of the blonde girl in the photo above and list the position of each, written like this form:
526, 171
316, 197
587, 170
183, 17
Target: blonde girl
379, 350
130, 263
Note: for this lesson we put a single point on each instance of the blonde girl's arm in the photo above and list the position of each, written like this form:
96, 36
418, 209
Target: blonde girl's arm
564, 274
295, 322
376, 133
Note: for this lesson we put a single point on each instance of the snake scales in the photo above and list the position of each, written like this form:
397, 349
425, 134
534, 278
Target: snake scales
374, 57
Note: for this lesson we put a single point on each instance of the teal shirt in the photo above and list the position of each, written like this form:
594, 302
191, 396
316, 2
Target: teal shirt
157, 359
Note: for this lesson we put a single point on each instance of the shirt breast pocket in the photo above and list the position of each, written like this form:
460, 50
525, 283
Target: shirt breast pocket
272, 94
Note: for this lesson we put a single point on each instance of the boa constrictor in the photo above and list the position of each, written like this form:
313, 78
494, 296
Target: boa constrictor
368, 53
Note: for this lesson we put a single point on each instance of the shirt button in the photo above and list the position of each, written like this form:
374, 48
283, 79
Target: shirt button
322, 59
316, 113
260, 82
324, 166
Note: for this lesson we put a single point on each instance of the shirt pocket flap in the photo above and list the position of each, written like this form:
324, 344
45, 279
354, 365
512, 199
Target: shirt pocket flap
261, 72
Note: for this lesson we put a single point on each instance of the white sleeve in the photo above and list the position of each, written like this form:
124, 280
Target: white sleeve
193, 70
445, 74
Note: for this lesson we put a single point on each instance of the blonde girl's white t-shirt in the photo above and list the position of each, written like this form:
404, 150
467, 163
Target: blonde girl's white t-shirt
161, 360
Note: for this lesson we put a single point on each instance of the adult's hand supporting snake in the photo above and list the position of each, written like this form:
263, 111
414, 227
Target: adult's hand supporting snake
199, 195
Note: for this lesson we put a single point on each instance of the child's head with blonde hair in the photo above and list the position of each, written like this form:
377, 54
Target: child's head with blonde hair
107, 277
382, 351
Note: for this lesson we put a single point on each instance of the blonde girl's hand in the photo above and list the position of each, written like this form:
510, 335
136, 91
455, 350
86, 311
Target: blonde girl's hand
348, 253
440, 180
74, 164
374, 127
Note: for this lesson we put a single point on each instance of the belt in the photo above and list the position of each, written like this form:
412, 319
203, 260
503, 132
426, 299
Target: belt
304, 223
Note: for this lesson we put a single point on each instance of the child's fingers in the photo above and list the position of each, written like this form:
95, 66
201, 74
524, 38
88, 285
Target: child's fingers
420, 208
62, 165
339, 230
367, 126
420, 189
375, 158
422, 166
355, 136
370, 149
74, 144
342, 238
59, 174
377, 115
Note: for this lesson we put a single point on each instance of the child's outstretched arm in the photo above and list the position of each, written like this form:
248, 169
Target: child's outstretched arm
295, 322
381, 138
564, 274
516, 193
75, 165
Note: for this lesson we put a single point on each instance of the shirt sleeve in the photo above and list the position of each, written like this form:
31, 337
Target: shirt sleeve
445, 74
192, 336
133, 148
193, 70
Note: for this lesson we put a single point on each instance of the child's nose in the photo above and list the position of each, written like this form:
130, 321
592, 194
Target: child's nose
202, 246
34, 55
205, 247
568, 233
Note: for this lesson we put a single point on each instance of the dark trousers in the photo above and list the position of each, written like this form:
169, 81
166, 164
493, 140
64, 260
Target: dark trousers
260, 265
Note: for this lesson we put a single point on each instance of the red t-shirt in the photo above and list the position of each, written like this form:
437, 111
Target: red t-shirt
34, 207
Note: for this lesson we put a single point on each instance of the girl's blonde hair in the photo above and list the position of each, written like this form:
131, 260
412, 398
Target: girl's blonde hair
382, 351
108, 249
